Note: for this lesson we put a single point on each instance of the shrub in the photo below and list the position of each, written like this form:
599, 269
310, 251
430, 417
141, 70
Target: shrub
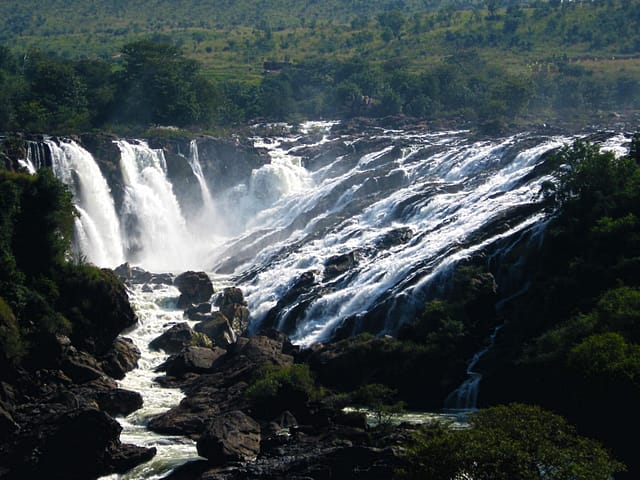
513, 442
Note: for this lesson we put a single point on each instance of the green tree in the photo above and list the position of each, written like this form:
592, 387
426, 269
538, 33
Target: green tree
158, 85
513, 442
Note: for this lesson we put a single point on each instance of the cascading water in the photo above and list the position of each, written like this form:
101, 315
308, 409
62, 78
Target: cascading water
194, 163
371, 229
156, 233
155, 309
97, 227
455, 197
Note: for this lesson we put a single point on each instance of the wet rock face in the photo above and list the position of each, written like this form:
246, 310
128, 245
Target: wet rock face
195, 287
232, 436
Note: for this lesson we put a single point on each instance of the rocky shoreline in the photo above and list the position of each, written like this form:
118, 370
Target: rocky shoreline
57, 422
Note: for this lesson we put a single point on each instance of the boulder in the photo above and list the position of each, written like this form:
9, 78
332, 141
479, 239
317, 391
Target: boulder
121, 358
231, 436
80, 366
232, 305
195, 287
238, 316
229, 296
217, 328
192, 360
119, 401
174, 339
7, 425
193, 312
126, 456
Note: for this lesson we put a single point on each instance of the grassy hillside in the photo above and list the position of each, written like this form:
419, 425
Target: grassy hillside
484, 61
232, 39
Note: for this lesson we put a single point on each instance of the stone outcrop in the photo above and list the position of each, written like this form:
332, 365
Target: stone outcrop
217, 328
174, 339
192, 360
233, 306
195, 287
230, 437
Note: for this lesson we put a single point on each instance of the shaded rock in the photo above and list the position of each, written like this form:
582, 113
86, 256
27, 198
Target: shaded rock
230, 296
339, 264
238, 316
232, 436
121, 358
217, 328
126, 456
260, 350
192, 359
55, 442
195, 287
394, 237
80, 366
283, 316
119, 401
193, 312
7, 425
174, 339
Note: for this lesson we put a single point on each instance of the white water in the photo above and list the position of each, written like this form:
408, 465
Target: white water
98, 227
156, 310
452, 195
156, 235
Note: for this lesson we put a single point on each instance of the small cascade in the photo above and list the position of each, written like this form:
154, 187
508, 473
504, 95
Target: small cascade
98, 227
37, 154
156, 233
194, 163
155, 309
465, 397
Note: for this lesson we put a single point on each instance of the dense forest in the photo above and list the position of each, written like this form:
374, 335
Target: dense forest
492, 64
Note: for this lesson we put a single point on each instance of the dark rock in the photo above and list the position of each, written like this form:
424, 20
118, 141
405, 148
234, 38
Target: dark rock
80, 366
217, 328
351, 419
230, 296
61, 443
161, 279
7, 425
394, 237
283, 316
238, 316
174, 339
263, 350
195, 287
232, 436
201, 308
339, 264
123, 271
97, 300
192, 359
119, 401
121, 358
126, 456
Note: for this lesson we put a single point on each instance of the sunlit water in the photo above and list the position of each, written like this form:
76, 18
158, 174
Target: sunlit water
156, 313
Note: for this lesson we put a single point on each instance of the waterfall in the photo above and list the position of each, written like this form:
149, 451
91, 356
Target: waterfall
98, 227
156, 234
194, 163
465, 397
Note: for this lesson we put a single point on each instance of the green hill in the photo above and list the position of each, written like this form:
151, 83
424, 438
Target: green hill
484, 61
